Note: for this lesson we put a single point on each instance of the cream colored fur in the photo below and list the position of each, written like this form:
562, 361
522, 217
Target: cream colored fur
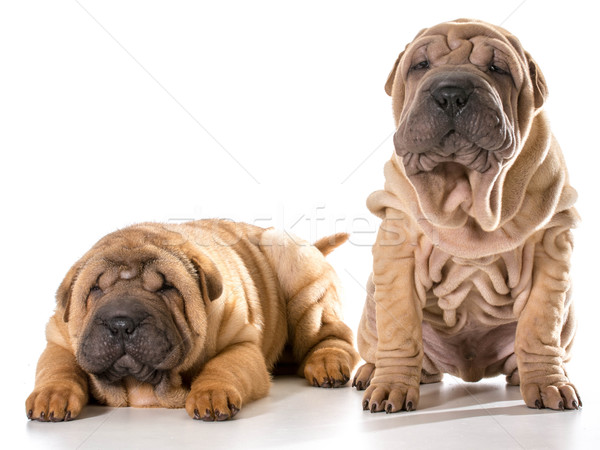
471, 268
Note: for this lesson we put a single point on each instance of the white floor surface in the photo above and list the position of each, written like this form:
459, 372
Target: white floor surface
451, 414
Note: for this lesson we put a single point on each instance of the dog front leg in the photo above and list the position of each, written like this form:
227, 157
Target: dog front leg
399, 356
61, 387
235, 376
538, 344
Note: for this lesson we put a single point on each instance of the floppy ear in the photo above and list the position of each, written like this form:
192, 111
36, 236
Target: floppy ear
390, 80
211, 282
65, 290
540, 88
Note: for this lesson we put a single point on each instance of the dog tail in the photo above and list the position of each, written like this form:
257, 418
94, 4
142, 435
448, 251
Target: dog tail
329, 243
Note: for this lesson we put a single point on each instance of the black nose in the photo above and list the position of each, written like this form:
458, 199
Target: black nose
451, 99
120, 325
122, 316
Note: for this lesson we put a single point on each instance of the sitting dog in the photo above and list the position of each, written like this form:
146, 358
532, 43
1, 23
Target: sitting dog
193, 315
471, 262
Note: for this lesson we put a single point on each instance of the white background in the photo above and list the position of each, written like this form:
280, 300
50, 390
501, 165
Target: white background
268, 112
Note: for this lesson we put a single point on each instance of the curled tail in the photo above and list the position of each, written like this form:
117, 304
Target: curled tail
329, 243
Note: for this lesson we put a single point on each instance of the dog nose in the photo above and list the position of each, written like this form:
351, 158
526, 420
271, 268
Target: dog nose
122, 316
451, 98
120, 325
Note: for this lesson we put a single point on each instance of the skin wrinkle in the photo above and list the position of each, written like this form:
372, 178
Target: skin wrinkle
491, 216
416, 124
199, 326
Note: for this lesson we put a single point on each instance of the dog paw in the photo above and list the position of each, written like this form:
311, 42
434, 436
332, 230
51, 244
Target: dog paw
390, 398
513, 379
55, 403
363, 376
328, 368
213, 403
558, 396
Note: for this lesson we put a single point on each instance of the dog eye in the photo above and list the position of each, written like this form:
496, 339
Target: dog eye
166, 287
420, 66
95, 289
494, 68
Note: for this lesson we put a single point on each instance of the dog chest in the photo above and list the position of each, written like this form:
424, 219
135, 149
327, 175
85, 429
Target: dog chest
487, 291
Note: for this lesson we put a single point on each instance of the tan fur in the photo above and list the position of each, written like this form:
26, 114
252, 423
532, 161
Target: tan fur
243, 292
471, 268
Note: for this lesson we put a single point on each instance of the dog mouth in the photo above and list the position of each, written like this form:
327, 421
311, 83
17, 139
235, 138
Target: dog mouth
143, 357
130, 343
128, 366
454, 148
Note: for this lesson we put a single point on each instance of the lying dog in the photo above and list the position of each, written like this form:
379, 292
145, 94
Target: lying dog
192, 315
471, 262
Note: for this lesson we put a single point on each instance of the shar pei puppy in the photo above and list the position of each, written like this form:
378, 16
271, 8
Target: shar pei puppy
471, 261
191, 315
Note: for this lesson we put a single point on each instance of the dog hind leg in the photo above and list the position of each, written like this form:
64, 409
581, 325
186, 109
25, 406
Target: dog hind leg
321, 342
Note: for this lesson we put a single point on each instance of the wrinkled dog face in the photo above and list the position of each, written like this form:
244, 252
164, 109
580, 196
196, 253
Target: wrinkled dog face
463, 99
131, 331
459, 108
130, 308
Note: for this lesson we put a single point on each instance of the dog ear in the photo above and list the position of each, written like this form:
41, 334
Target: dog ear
392, 76
211, 282
540, 88
65, 290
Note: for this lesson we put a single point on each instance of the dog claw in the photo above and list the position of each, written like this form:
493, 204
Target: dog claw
220, 417
330, 382
538, 404
208, 416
